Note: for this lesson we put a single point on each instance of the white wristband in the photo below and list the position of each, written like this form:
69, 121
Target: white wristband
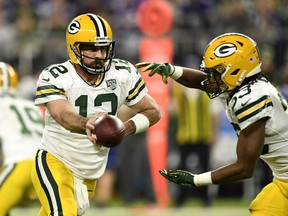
178, 71
203, 179
141, 122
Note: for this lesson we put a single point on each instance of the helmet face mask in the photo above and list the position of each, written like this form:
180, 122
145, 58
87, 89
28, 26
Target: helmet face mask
98, 65
214, 86
233, 57
92, 31
8, 79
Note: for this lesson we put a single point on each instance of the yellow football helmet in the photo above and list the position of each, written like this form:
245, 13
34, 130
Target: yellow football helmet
8, 79
228, 60
90, 29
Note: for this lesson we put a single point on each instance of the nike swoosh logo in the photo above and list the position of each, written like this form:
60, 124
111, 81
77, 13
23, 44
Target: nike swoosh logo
245, 103
47, 80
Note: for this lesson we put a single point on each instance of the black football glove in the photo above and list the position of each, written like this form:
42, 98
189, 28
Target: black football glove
163, 69
181, 177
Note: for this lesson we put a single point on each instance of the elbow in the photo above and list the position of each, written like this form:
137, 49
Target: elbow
157, 115
246, 171
247, 174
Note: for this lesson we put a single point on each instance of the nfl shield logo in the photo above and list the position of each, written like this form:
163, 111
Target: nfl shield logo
111, 84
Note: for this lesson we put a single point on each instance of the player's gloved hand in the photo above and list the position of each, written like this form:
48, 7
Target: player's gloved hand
181, 177
163, 69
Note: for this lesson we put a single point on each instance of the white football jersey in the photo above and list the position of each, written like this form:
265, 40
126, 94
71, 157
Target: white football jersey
21, 126
256, 100
122, 84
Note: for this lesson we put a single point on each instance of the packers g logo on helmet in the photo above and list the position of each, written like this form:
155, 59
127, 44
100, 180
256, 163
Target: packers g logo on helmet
234, 57
89, 28
225, 50
8, 79
74, 27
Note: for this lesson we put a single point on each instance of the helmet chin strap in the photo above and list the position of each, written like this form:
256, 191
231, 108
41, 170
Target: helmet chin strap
241, 78
91, 70
226, 70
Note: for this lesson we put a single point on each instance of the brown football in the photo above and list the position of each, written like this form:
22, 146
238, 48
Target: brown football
109, 130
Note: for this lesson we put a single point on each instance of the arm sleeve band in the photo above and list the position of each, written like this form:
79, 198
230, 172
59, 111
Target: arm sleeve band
177, 72
141, 122
203, 179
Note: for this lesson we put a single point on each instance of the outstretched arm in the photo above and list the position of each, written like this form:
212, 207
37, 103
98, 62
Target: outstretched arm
249, 148
188, 77
192, 78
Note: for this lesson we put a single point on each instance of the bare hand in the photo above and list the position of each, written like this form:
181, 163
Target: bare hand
90, 126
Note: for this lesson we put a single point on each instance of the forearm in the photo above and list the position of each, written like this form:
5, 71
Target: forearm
226, 174
72, 122
191, 78
147, 114
231, 173
130, 127
249, 147
64, 114
141, 122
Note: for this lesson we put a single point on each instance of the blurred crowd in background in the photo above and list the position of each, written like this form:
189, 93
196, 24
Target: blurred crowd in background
33, 35
33, 31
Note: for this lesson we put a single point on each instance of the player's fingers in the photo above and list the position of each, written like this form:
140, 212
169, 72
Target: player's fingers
165, 79
148, 68
90, 136
93, 118
88, 127
155, 69
172, 174
142, 64
163, 173
145, 67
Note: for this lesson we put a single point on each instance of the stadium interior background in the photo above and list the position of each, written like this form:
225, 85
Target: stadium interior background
33, 34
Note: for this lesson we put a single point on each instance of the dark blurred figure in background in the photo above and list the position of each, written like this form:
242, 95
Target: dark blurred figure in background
106, 185
134, 178
195, 135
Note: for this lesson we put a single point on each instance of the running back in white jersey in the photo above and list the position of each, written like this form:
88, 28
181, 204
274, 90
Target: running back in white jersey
21, 126
256, 100
122, 84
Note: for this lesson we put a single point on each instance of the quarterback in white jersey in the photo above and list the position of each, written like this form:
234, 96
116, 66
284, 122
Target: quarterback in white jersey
121, 85
90, 84
231, 69
21, 126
